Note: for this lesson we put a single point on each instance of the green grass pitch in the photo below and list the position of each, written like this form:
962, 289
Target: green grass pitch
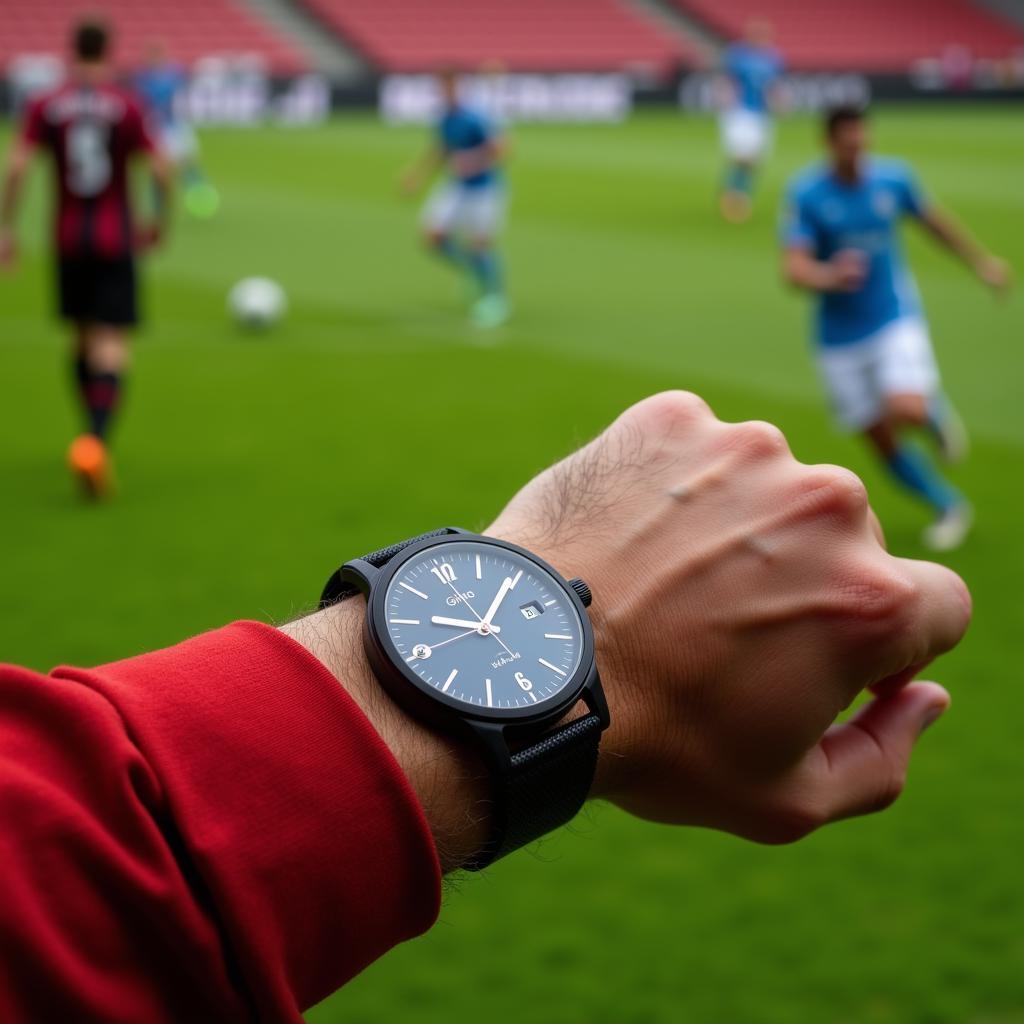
252, 465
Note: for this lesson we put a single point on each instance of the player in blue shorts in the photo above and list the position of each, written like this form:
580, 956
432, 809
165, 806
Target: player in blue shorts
464, 213
840, 234
751, 69
159, 84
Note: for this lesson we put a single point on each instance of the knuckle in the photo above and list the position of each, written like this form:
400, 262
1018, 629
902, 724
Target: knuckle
792, 821
889, 790
966, 600
671, 411
758, 439
879, 593
836, 491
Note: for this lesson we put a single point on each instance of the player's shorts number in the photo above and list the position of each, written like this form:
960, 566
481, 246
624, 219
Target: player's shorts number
88, 153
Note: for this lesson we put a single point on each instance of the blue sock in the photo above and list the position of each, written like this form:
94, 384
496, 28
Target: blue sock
740, 178
487, 270
454, 253
192, 175
915, 470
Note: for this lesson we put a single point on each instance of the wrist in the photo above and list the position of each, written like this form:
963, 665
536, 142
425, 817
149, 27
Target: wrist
448, 776
618, 748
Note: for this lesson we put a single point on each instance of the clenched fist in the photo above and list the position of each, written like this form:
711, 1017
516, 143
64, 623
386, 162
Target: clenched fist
742, 601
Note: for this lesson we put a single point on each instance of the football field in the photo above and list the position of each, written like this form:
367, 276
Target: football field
250, 466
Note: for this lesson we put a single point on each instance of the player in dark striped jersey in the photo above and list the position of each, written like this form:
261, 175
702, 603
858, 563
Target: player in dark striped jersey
91, 130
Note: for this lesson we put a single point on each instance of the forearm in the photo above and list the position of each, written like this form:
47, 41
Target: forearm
425, 166
953, 236
803, 271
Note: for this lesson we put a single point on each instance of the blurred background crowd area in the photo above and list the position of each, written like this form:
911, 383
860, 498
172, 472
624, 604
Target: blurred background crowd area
588, 59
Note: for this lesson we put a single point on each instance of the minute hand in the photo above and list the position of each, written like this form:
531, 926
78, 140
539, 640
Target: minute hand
506, 585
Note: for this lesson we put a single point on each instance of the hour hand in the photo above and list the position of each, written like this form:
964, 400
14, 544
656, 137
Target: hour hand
442, 620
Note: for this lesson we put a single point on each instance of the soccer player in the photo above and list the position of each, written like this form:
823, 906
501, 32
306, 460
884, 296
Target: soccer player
751, 70
840, 234
464, 213
159, 84
90, 129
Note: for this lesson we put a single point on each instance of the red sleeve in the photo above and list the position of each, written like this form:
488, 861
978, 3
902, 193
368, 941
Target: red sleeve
212, 832
136, 132
33, 126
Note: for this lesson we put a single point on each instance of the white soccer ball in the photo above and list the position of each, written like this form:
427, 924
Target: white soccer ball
257, 302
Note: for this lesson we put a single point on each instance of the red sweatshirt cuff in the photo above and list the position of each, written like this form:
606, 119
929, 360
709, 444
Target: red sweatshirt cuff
307, 836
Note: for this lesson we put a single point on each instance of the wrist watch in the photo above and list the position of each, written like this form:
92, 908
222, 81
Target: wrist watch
484, 640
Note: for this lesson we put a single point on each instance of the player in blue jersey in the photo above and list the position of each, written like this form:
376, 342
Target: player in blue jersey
464, 213
159, 84
840, 234
751, 69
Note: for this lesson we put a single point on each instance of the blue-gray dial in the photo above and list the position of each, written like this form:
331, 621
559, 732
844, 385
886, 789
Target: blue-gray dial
484, 625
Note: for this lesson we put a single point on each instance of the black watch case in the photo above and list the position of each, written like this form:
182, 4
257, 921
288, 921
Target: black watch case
497, 730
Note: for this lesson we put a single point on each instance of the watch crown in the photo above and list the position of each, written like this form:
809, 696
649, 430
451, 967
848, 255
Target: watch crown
581, 590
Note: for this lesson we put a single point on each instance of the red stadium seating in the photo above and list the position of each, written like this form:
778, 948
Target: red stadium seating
866, 35
192, 29
523, 35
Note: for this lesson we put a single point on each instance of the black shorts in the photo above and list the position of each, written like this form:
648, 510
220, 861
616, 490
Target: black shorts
101, 291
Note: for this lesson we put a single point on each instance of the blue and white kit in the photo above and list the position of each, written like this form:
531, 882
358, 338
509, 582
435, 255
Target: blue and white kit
872, 342
159, 89
471, 203
745, 124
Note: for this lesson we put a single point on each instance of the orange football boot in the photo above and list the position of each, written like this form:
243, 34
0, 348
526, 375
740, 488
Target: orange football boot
90, 462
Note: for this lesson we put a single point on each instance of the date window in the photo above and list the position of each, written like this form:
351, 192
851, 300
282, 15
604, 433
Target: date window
531, 610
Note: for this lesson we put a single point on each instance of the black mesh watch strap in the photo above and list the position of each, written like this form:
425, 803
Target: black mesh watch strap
543, 788
337, 589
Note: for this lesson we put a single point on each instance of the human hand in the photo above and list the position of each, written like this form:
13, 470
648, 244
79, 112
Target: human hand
993, 272
410, 183
742, 600
149, 236
847, 270
468, 162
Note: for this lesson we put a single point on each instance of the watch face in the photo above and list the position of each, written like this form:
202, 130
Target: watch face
484, 626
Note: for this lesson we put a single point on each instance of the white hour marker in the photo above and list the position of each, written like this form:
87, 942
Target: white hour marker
444, 572
557, 636
479, 570
413, 590
532, 696
548, 604
490, 698
547, 664
449, 680
405, 622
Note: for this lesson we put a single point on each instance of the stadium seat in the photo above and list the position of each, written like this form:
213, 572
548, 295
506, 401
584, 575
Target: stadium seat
867, 35
529, 35
192, 29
